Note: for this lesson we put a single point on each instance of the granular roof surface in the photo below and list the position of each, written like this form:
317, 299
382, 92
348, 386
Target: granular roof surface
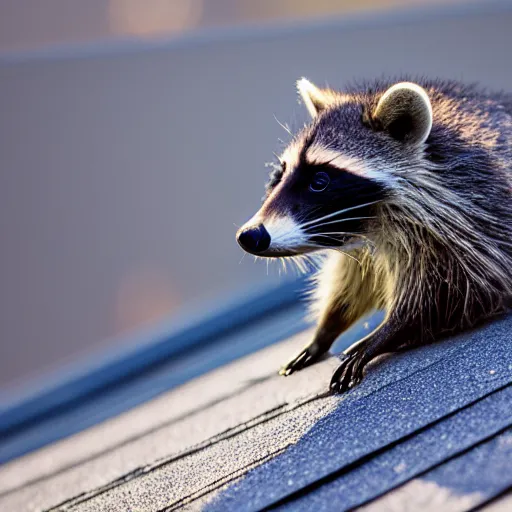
427, 429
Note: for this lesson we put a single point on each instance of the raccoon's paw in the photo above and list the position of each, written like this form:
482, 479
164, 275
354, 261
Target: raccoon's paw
305, 357
349, 373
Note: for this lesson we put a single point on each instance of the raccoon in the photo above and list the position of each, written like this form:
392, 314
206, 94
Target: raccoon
406, 185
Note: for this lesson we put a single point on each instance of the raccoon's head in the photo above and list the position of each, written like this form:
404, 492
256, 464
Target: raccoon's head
339, 169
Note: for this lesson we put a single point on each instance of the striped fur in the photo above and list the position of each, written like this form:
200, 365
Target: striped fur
437, 248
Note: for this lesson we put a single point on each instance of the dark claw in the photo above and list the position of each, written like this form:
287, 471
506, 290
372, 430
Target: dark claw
340, 380
348, 374
303, 359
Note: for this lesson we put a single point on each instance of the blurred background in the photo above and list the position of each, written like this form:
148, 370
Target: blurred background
133, 138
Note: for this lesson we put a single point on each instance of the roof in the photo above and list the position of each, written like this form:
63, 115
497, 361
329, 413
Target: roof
148, 363
427, 428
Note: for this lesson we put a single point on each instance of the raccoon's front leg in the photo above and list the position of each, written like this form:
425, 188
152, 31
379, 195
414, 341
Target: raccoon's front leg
333, 323
386, 338
343, 295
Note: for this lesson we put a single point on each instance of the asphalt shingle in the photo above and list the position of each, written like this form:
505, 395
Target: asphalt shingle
276, 442
466, 368
411, 457
463, 483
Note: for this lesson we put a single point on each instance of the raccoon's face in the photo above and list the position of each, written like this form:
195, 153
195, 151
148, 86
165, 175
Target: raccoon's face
338, 170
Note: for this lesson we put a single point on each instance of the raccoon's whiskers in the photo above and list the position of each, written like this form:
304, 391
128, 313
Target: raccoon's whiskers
300, 265
352, 257
283, 126
336, 249
339, 212
283, 265
295, 265
329, 234
314, 226
348, 255
308, 262
337, 233
313, 260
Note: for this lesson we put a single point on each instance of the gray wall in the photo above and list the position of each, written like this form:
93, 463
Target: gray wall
122, 175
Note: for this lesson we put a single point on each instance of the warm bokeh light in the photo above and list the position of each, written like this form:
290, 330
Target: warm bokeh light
36, 24
145, 295
152, 17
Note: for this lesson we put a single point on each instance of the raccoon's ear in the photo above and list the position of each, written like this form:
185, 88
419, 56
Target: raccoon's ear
314, 98
405, 112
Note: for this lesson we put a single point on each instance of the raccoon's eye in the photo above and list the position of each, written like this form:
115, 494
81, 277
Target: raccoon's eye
319, 182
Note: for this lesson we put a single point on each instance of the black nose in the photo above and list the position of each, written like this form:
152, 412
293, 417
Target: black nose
254, 239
